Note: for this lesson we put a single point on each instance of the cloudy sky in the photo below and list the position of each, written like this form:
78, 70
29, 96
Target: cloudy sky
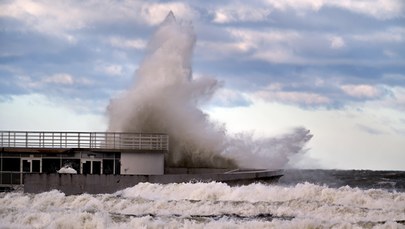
336, 67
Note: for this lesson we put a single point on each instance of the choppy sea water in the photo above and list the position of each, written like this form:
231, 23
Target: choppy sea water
301, 199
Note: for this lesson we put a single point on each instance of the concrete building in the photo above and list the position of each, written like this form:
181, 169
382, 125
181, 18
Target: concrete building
86, 152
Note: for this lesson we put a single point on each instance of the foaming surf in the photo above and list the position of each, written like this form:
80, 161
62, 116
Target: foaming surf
166, 98
208, 205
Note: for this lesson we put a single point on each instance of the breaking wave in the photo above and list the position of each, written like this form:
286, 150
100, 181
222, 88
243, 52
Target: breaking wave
165, 98
207, 205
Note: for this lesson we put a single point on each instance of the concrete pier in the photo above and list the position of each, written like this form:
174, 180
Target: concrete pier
103, 162
72, 184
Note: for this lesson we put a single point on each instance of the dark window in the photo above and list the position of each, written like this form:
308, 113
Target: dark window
11, 178
7, 154
96, 167
86, 167
26, 166
36, 166
31, 166
108, 166
50, 165
6, 178
11, 164
109, 155
117, 167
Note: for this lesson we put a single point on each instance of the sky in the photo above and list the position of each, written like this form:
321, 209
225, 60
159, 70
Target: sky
335, 67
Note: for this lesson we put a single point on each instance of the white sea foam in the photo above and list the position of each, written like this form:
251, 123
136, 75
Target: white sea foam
67, 169
207, 205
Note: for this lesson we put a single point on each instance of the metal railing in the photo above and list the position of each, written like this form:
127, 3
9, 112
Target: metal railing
90, 140
10, 178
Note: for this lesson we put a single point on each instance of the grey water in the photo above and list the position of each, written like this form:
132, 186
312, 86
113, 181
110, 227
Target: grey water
364, 179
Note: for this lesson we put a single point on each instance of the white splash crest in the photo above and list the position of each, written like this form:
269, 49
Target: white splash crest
165, 98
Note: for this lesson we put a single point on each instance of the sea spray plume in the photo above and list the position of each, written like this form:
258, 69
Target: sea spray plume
267, 153
165, 99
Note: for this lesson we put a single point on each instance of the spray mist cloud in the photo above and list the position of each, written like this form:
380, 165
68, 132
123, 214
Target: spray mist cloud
165, 98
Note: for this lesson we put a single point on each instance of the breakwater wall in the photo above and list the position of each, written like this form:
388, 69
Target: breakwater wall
72, 184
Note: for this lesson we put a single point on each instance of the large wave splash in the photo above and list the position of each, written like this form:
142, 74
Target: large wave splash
165, 98
207, 205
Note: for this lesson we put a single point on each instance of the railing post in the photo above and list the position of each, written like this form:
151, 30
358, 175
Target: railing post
78, 140
140, 141
26, 139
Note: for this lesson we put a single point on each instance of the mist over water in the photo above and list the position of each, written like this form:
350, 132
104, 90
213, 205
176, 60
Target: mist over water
165, 98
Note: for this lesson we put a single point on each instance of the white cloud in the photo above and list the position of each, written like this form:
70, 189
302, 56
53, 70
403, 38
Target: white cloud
361, 91
397, 101
296, 4
212, 49
305, 98
127, 43
240, 13
390, 53
369, 129
53, 18
247, 40
60, 78
390, 35
274, 92
268, 45
380, 96
290, 46
111, 69
61, 18
223, 17
393, 76
337, 42
276, 55
267, 37
380, 9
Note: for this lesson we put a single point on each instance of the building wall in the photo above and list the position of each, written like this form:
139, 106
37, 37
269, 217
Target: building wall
95, 184
142, 163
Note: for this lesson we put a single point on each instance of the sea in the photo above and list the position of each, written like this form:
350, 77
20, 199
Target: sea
300, 199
